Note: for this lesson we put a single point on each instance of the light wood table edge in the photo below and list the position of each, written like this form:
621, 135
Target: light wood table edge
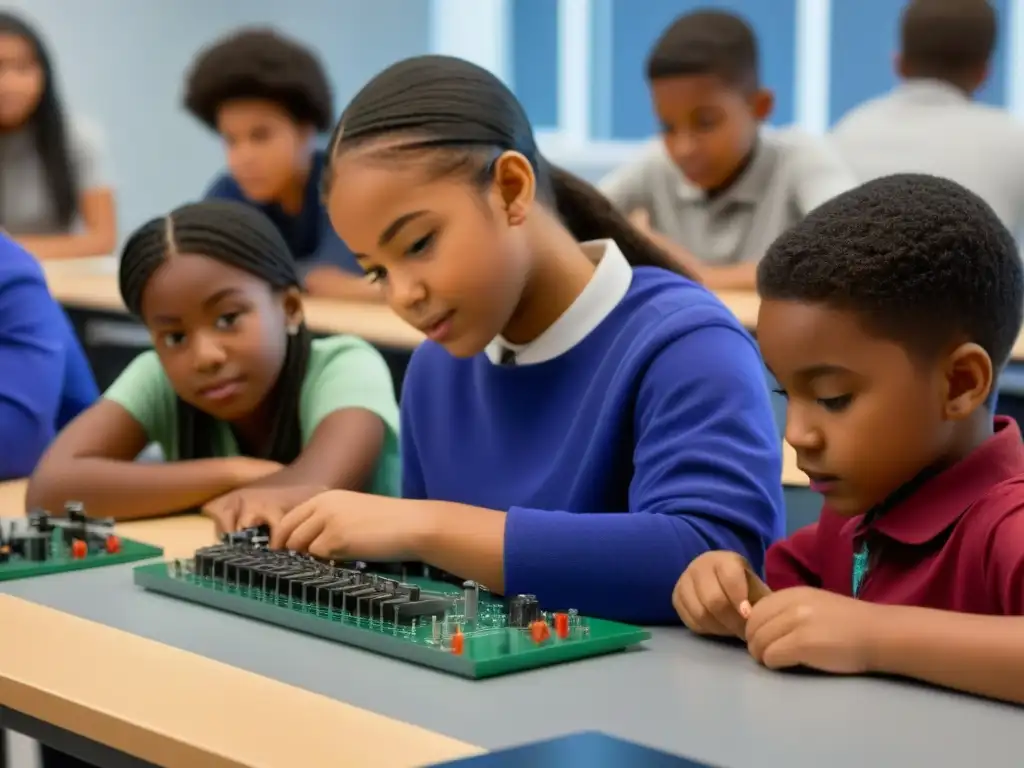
175, 708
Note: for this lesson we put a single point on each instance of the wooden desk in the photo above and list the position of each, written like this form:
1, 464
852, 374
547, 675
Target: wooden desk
92, 284
174, 708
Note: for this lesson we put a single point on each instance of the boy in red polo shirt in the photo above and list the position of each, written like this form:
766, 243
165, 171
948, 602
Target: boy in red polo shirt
886, 316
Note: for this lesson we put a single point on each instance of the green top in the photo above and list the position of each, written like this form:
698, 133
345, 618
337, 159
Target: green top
343, 372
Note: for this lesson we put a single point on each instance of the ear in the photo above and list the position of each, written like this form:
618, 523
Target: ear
291, 302
762, 102
516, 186
969, 381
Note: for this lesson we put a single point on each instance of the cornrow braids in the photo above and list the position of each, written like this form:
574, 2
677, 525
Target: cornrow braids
459, 117
242, 237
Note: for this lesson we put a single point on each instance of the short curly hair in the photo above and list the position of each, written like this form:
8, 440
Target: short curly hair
259, 63
921, 259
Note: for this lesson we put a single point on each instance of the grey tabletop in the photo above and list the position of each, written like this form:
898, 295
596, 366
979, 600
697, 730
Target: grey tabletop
693, 697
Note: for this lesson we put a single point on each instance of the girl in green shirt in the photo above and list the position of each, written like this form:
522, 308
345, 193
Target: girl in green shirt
253, 415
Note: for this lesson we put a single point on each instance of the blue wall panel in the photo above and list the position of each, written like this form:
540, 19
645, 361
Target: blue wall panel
864, 42
534, 44
633, 27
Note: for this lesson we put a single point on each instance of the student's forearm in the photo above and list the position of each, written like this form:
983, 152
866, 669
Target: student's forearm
68, 246
463, 540
976, 654
128, 490
333, 283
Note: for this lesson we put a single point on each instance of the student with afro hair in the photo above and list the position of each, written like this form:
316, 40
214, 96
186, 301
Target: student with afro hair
269, 98
886, 317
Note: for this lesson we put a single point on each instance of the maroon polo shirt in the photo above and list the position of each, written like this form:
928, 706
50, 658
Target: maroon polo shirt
956, 543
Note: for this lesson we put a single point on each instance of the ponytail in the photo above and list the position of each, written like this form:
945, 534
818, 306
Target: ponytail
589, 215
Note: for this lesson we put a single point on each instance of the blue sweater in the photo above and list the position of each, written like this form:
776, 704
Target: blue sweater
650, 442
309, 234
45, 380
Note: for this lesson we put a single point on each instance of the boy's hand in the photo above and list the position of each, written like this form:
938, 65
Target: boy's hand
715, 594
813, 628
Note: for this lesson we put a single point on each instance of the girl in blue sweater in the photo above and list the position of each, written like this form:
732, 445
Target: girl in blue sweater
583, 420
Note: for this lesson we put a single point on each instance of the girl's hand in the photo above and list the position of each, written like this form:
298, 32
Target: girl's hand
344, 525
249, 507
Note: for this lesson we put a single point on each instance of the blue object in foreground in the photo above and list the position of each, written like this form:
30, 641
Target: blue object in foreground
590, 749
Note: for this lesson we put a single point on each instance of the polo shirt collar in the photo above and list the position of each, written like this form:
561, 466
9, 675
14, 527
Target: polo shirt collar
608, 285
942, 499
747, 189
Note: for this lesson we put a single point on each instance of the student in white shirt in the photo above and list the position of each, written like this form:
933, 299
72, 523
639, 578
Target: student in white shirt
930, 122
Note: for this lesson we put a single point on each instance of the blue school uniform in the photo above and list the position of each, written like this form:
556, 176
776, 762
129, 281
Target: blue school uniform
309, 234
631, 437
45, 379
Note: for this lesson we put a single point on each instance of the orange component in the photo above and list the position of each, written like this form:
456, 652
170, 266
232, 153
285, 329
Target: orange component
113, 544
539, 631
562, 625
458, 642
79, 549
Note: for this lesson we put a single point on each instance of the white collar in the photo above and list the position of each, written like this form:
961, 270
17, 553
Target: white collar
607, 286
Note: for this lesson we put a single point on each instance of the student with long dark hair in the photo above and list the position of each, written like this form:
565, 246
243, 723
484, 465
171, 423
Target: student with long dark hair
252, 413
55, 198
582, 420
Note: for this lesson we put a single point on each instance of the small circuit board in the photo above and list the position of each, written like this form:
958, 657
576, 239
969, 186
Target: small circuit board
385, 608
42, 544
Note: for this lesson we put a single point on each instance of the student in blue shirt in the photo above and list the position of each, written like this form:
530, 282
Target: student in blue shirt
268, 97
45, 379
581, 421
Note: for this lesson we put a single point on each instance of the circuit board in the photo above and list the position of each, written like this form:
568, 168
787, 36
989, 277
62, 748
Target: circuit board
42, 544
463, 630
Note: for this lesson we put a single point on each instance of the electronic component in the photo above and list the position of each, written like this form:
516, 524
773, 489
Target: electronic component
389, 608
41, 543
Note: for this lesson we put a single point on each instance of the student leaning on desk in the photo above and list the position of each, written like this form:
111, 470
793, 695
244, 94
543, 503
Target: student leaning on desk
886, 316
250, 411
716, 189
268, 97
583, 419
55, 198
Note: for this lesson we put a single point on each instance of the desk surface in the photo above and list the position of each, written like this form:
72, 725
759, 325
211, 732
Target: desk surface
171, 707
694, 697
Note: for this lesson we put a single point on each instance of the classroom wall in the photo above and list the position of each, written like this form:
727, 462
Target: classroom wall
121, 63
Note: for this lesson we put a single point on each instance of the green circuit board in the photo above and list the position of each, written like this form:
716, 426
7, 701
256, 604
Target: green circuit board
465, 631
40, 545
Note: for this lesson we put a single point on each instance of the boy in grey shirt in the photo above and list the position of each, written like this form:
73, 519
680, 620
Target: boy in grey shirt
715, 190
929, 122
